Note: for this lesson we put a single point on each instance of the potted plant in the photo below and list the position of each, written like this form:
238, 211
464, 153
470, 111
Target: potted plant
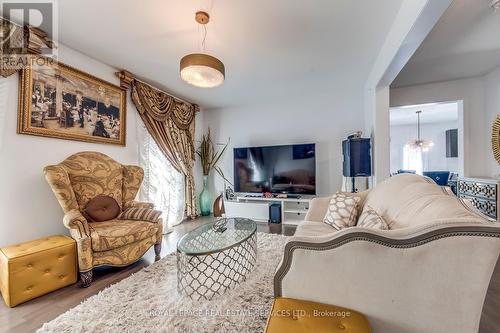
209, 157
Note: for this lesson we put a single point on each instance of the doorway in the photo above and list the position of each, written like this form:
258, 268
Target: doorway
427, 139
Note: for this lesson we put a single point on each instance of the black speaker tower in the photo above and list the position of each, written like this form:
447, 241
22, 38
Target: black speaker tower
357, 158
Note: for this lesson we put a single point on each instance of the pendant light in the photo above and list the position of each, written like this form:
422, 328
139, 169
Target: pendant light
200, 69
419, 143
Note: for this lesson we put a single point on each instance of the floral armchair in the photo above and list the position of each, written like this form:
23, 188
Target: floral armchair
82, 177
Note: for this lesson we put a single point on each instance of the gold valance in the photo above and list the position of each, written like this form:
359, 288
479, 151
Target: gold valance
18, 44
162, 106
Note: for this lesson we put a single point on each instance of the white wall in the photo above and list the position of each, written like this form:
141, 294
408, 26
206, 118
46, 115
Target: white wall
381, 139
28, 208
492, 109
435, 159
481, 103
324, 119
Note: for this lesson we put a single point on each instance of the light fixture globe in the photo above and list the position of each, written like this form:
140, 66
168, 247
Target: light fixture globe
202, 70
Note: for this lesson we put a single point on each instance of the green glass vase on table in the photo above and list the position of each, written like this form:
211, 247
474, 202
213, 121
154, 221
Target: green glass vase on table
209, 157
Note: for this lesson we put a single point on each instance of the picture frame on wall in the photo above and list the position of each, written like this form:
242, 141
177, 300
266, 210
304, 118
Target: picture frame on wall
59, 101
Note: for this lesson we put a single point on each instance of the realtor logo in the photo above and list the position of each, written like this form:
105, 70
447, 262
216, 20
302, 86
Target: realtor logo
26, 28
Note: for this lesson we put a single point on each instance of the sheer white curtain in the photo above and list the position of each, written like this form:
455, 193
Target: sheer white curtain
162, 185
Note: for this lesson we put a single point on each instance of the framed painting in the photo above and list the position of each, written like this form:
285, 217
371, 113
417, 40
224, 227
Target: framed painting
58, 101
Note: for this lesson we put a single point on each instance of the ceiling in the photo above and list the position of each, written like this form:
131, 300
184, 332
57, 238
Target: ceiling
431, 113
464, 43
271, 49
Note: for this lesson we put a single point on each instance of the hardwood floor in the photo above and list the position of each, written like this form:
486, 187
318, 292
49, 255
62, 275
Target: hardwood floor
31, 315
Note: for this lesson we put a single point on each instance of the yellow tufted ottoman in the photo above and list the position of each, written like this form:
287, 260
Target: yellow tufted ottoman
296, 316
35, 268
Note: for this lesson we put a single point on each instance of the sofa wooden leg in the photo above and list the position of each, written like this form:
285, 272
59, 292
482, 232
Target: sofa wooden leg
86, 278
157, 251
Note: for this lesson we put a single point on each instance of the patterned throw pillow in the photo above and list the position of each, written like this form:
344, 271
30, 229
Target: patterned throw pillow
369, 218
342, 211
140, 214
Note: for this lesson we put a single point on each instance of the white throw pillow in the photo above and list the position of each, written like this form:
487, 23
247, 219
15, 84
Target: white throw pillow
342, 211
369, 218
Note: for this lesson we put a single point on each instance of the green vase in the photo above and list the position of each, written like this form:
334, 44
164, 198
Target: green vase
205, 198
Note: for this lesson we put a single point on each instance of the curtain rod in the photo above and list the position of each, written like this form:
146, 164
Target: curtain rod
126, 78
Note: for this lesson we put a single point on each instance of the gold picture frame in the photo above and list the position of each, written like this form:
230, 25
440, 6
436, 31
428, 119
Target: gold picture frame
495, 138
59, 101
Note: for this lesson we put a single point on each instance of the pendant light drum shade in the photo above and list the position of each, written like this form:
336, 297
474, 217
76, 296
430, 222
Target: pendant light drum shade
202, 70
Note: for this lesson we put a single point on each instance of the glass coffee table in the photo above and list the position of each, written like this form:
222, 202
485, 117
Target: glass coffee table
215, 257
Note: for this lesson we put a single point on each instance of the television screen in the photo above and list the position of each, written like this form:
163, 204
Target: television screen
277, 169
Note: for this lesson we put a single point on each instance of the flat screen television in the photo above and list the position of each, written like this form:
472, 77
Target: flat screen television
287, 169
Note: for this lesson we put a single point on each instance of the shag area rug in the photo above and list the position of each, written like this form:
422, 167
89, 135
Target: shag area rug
148, 301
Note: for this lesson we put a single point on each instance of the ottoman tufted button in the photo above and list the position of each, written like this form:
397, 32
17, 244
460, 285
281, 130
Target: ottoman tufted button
61, 277
61, 256
29, 265
47, 270
29, 288
341, 326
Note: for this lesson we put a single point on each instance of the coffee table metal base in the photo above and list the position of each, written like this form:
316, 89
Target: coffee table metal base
208, 275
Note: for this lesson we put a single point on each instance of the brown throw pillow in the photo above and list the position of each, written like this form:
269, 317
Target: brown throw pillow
140, 214
102, 208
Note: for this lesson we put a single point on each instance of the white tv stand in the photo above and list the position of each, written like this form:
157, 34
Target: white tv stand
293, 210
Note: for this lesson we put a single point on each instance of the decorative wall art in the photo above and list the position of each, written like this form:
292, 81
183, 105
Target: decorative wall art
58, 101
495, 138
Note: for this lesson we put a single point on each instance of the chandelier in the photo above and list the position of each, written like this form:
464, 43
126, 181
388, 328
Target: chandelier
200, 69
419, 144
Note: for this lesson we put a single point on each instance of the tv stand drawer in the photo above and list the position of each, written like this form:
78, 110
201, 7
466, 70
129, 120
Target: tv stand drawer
251, 210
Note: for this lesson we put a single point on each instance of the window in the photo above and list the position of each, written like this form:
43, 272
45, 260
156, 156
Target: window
413, 159
163, 185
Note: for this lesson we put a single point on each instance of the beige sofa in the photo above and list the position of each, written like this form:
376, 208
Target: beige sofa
428, 273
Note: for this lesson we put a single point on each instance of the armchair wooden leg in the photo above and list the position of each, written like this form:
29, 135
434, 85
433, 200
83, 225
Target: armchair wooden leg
157, 251
86, 278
